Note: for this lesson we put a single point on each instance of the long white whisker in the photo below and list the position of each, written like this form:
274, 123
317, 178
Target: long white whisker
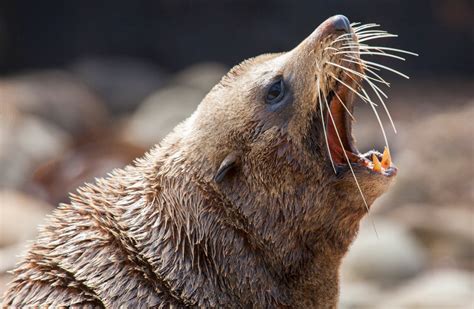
370, 53
360, 61
379, 90
324, 126
379, 120
368, 33
365, 99
365, 26
331, 48
365, 46
357, 73
342, 37
378, 37
374, 87
366, 68
349, 164
344, 105
369, 99
385, 67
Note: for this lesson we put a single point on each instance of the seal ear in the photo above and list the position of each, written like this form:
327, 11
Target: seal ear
229, 162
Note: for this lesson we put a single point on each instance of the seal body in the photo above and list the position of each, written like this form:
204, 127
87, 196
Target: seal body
239, 206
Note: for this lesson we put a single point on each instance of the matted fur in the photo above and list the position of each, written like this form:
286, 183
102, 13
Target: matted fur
162, 232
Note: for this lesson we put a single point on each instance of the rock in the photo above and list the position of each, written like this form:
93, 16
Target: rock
20, 216
438, 289
123, 82
358, 294
445, 231
395, 255
160, 113
24, 141
201, 76
55, 96
435, 160
98, 156
167, 107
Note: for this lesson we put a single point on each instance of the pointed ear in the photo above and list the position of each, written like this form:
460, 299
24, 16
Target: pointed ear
231, 161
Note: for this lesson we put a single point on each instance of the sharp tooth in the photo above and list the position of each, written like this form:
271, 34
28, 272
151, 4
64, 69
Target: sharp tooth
377, 166
386, 159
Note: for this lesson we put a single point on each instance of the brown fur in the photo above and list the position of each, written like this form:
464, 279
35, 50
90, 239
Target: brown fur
164, 232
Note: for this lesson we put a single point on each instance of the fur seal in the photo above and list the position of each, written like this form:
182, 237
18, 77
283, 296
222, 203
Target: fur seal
251, 202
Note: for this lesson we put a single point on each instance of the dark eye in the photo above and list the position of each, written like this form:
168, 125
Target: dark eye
276, 92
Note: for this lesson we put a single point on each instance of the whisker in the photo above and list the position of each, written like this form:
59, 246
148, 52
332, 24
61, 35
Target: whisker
365, 99
379, 120
385, 67
366, 68
349, 163
370, 32
346, 36
331, 48
359, 61
377, 91
324, 126
365, 26
374, 87
356, 73
370, 53
364, 46
372, 105
344, 105
360, 87
378, 37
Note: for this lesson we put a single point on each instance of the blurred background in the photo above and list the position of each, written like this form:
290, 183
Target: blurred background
86, 87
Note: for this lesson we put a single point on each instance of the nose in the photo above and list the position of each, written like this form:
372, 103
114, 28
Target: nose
341, 23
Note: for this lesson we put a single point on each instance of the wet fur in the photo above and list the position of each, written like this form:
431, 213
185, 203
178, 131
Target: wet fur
163, 232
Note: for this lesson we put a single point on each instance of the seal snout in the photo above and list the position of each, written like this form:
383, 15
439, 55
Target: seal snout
341, 23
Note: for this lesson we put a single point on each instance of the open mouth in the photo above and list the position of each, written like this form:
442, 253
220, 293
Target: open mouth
341, 143
344, 70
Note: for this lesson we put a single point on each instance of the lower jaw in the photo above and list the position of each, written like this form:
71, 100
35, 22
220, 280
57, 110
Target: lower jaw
365, 162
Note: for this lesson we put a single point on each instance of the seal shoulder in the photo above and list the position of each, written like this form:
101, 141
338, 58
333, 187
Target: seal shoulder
81, 247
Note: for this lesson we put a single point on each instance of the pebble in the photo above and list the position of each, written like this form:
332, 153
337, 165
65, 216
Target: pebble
393, 256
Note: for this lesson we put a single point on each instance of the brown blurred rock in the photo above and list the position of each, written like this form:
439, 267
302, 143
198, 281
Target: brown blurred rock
96, 157
123, 82
358, 295
201, 76
20, 216
435, 160
393, 256
438, 289
447, 232
160, 113
55, 96
167, 107
26, 140
408, 106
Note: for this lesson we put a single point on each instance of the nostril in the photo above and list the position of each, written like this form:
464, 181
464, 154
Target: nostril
341, 23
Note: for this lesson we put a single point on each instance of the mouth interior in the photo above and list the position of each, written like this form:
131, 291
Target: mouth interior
340, 140
340, 132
